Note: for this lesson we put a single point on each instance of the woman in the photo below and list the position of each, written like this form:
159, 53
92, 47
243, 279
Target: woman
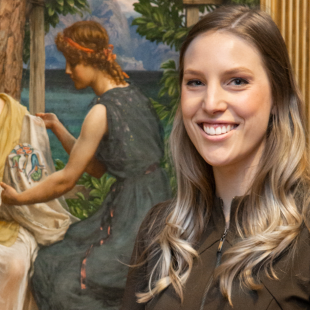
237, 233
120, 135
17, 245
24, 161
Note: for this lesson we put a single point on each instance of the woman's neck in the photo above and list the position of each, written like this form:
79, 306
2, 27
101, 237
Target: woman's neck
233, 181
230, 184
103, 82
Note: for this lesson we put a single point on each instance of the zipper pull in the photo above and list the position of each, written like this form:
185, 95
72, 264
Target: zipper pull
219, 249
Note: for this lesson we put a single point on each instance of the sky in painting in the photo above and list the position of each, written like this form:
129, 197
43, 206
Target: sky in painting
127, 7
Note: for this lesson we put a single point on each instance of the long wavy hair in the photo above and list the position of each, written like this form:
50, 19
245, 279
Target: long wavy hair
91, 35
277, 203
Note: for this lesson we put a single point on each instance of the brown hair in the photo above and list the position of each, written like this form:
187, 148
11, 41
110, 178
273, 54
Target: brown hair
90, 35
277, 205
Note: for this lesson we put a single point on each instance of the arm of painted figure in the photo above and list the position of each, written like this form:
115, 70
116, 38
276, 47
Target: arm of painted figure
95, 167
60, 182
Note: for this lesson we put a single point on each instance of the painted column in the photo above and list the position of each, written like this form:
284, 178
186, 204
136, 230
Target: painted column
192, 9
37, 59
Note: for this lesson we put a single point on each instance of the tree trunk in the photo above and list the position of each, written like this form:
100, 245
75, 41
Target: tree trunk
12, 29
37, 61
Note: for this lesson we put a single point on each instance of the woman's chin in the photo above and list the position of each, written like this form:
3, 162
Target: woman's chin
79, 86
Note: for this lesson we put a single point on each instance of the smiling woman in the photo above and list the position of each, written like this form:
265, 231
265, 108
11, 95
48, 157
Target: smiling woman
237, 233
226, 104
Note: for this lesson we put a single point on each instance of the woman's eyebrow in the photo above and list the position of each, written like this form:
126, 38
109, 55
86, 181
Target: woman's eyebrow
238, 70
230, 71
192, 71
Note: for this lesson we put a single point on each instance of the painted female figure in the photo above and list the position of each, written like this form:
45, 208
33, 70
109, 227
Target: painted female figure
25, 161
120, 135
237, 234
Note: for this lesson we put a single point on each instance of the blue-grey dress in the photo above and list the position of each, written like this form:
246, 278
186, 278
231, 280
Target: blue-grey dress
87, 270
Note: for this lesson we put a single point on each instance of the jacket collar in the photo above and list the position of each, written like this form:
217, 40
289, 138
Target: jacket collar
216, 225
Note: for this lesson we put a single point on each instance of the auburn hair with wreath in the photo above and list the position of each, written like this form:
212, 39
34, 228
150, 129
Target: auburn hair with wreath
87, 42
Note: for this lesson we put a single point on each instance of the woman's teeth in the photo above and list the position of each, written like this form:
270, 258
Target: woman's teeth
219, 130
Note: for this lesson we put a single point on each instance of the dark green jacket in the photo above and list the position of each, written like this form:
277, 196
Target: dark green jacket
290, 292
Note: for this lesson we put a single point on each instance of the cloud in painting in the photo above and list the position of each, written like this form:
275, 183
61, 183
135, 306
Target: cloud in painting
127, 7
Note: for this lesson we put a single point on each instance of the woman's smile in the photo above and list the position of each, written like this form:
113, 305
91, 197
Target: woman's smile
217, 129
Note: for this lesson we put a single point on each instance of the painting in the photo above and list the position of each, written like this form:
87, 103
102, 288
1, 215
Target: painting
106, 211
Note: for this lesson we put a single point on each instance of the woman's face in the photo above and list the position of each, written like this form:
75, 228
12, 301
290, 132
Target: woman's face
226, 99
82, 75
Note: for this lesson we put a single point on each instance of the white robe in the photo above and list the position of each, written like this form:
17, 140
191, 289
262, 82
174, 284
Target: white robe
41, 223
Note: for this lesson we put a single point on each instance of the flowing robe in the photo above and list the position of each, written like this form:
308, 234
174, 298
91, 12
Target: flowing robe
25, 160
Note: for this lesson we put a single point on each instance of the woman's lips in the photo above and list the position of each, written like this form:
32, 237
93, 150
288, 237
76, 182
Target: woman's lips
217, 129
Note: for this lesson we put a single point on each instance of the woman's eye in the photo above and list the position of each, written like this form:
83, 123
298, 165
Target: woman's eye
194, 83
238, 81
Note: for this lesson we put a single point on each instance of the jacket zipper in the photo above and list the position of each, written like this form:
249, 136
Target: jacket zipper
222, 240
219, 249
218, 261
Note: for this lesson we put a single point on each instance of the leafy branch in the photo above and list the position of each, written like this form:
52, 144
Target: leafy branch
163, 21
83, 207
170, 85
52, 10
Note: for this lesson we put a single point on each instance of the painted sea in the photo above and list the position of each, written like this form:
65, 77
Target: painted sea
71, 106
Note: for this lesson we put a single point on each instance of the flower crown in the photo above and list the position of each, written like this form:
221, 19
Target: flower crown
108, 52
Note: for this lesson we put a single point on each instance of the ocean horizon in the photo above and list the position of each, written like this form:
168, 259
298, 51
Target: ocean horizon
71, 105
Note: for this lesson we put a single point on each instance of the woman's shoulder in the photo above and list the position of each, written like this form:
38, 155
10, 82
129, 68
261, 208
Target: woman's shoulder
114, 97
292, 269
303, 242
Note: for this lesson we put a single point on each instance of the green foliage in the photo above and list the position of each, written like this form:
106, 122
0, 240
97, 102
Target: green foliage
52, 10
59, 164
26, 50
82, 207
166, 112
170, 86
162, 21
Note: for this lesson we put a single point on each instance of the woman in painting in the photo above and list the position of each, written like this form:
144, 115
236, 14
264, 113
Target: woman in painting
120, 135
24, 161
17, 246
237, 234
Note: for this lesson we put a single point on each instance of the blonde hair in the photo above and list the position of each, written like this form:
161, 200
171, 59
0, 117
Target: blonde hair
269, 220
89, 35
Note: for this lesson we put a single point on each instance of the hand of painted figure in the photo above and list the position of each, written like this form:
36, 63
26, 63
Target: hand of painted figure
9, 195
50, 120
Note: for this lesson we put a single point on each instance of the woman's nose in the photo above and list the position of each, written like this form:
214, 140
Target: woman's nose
214, 100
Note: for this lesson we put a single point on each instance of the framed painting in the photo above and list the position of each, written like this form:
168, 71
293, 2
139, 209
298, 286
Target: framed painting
110, 207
